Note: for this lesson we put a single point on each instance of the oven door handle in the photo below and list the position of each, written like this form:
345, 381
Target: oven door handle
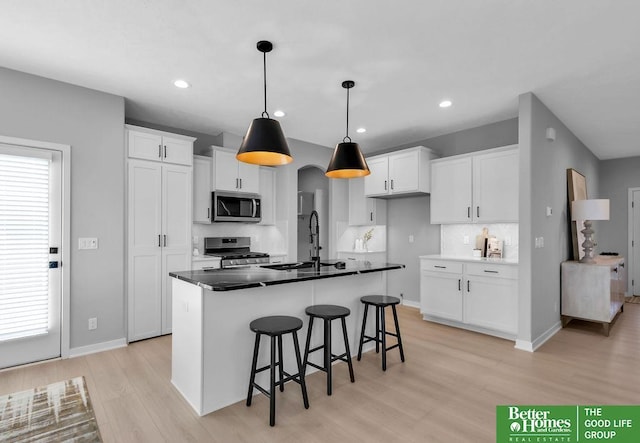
254, 205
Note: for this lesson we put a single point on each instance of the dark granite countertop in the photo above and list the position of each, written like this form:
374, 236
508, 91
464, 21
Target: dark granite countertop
254, 277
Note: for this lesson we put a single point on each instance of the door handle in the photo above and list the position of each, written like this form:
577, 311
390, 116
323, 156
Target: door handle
468, 211
240, 183
459, 284
159, 151
478, 211
392, 184
468, 286
165, 151
237, 187
208, 213
385, 185
159, 244
165, 240
370, 216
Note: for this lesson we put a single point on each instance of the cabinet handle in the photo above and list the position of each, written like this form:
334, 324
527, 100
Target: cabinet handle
159, 244
468, 286
208, 213
622, 265
459, 284
370, 216
468, 211
615, 269
240, 183
385, 185
491, 272
392, 184
478, 211
165, 240
159, 151
165, 151
237, 187
439, 267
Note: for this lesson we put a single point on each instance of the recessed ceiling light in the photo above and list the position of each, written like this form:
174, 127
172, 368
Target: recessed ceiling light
279, 113
361, 130
445, 103
182, 84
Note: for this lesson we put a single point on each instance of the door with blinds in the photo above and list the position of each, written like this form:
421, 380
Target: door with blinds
30, 241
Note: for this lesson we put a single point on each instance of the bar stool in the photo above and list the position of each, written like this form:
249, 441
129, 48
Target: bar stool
276, 327
380, 302
328, 313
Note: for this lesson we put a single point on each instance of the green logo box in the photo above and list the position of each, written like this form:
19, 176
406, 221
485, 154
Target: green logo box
546, 424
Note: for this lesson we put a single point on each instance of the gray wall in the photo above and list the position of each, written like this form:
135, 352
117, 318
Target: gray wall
92, 123
543, 183
310, 179
410, 215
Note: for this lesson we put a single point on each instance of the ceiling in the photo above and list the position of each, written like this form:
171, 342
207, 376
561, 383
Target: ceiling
580, 57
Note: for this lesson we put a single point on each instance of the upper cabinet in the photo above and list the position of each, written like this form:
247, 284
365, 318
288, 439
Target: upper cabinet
364, 210
202, 189
229, 174
150, 144
402, 172
267, 195
476, 188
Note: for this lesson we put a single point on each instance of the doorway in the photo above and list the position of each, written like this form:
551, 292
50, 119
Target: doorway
634, 241
313, 194
32, 234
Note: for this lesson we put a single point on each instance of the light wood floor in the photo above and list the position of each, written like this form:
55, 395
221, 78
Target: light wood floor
446, 391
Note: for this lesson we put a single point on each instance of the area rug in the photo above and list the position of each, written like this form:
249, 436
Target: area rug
57, 412
634, 299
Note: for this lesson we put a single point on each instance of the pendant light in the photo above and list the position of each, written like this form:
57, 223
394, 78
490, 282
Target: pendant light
347, 160
264, 143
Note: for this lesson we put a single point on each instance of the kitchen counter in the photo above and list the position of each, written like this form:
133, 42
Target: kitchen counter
212, 345
254, 277
470, 259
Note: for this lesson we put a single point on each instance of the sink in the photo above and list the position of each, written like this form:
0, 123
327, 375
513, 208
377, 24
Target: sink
290, 266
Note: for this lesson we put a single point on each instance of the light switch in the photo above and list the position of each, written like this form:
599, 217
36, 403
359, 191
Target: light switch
549, 211
88, 243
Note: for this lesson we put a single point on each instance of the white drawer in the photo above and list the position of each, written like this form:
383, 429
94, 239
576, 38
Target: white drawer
492, 270
441, 266
198, 265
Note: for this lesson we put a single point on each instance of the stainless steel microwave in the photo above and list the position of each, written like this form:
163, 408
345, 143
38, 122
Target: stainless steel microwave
235, 207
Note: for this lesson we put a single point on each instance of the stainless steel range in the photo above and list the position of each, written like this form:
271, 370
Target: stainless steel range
234, 251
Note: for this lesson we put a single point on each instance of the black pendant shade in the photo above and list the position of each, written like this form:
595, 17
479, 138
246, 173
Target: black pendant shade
264, 143
347, 161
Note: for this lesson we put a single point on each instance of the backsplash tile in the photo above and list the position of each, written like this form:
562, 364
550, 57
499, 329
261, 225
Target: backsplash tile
452, 238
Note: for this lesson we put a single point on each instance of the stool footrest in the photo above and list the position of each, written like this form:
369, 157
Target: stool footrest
289, 377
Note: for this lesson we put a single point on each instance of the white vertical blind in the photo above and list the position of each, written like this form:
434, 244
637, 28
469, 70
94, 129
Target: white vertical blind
24, 246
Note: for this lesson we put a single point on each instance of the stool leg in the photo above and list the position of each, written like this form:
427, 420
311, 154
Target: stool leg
377, 329
347, 349
303, 385
252, 378
384, 340
364, 324
280, 362
272, 385
395, 320
306, 348
327, 353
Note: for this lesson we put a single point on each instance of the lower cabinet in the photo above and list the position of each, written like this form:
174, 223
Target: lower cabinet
478, 296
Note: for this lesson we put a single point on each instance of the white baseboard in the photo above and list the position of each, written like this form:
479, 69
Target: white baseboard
98, 347
542, 339
411, 303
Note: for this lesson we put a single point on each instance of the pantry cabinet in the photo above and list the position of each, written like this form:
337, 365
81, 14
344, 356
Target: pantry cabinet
476, 188
404, 172
150, 144
481, 296
365, 211
159, 210
229, 174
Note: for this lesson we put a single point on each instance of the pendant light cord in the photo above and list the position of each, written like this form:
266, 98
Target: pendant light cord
264, 72
347, 135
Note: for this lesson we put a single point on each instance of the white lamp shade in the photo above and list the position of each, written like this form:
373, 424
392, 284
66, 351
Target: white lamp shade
597, 209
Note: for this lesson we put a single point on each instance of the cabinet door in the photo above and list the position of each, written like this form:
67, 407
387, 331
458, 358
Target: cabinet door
451, 191
268, 195
491, 303
377, 183
177, 151
202, 190
248, 177
144, 263
176, 226
358, 214
404, 170
441, 295
495, 186
144, 145
225, 167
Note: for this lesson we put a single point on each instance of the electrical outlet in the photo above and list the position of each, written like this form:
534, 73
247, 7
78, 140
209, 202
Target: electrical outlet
93, 323
507, 241
411, 239
465, 240
88, 243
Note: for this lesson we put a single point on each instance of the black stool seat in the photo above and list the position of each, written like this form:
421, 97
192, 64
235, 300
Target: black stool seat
328, 313
275, 327
380, 302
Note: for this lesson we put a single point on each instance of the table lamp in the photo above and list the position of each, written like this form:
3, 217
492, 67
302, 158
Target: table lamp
589, 210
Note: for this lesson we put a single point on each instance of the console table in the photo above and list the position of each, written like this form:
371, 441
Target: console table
593, 291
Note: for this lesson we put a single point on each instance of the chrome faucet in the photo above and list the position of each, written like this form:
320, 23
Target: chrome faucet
314, 238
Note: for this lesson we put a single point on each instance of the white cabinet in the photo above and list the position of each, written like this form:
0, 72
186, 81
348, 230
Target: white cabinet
203, 263
159, 209
268, 195
277, 258
202, 189
476, 188
593, 291
373, 257
480, 296
150, 144
364, 210
229, 174
402, 172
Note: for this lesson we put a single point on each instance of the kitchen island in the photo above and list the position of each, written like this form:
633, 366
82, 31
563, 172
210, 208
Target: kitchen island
212, 345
